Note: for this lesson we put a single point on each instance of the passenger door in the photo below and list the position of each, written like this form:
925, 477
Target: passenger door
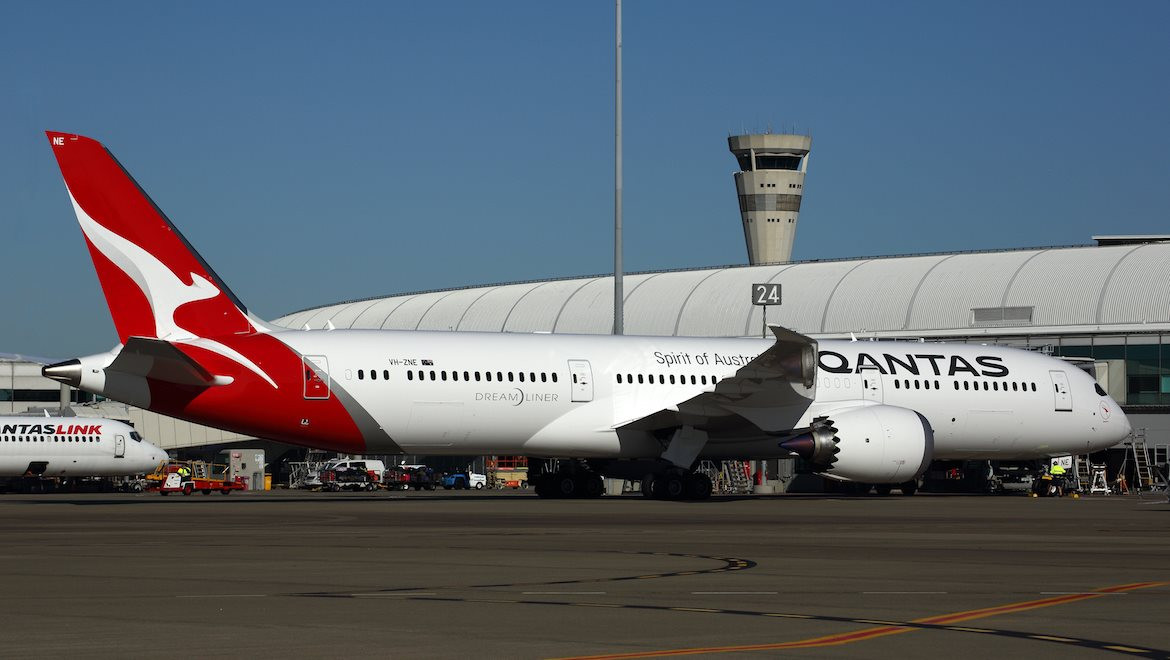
871, 384
315, 369
119, 446
1061, 391
582, 376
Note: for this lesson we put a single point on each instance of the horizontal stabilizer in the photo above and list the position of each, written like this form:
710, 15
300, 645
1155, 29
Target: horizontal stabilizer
160, 360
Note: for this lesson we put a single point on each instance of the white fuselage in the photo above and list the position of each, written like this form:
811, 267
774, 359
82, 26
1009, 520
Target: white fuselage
73, 447
560, 395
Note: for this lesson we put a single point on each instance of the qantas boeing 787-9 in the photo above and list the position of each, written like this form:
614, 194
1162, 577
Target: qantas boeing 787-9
650, 407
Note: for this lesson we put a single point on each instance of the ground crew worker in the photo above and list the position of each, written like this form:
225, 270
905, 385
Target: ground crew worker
1057, 472
184, 473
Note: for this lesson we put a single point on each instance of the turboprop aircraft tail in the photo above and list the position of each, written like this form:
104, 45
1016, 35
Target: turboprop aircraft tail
155, 284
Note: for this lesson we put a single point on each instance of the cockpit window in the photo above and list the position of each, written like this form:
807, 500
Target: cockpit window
1100, 390
135, 437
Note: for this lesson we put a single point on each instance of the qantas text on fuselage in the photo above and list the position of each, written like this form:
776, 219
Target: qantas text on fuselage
892, 364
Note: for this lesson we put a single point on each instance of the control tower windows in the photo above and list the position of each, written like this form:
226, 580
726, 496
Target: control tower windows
777, 162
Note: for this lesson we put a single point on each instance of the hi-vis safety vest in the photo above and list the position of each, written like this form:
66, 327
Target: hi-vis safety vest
1056, 470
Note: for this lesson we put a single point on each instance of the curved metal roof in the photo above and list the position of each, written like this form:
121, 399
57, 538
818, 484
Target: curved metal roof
1091, 288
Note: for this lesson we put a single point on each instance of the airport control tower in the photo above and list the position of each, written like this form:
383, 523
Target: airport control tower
770, 182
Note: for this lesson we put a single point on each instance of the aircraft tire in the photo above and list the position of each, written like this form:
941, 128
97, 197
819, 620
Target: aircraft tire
909, 487
674, 487
591, 486
567, 486
658, 487
698, 487
884, 489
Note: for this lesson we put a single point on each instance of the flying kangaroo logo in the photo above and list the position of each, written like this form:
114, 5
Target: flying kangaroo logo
164, 291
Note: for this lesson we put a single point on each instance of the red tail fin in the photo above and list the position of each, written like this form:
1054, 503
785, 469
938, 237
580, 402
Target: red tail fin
155, 284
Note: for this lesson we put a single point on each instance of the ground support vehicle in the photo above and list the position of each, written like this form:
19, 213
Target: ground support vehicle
352, 474
405, 477
200, 476
346, 478
507, 472
464, 481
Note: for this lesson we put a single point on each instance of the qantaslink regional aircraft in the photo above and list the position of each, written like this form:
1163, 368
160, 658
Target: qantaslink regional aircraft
73, 447
636, 407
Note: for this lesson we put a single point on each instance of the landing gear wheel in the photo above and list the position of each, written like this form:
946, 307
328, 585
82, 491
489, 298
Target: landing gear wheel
648, 487
884, 489
674, 487
698, 487
592, 486
566, 486
909, 487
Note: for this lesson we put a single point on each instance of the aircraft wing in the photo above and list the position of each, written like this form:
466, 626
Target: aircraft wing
160, 360
771, 392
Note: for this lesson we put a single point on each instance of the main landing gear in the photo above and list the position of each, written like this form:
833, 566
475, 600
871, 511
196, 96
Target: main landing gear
677, 486
569, 484
567, 479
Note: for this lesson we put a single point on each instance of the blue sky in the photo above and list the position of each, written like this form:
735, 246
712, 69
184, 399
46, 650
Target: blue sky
317, 152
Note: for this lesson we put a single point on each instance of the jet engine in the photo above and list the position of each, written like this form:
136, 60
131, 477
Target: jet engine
868, 444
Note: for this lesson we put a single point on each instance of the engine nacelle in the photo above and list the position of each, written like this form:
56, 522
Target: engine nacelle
868, 444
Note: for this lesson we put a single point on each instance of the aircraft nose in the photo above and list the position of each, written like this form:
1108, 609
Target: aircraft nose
1120, 427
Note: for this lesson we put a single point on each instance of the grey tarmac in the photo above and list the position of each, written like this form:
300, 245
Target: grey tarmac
506, 574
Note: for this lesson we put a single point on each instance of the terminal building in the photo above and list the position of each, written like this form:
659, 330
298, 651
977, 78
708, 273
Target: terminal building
1105, 306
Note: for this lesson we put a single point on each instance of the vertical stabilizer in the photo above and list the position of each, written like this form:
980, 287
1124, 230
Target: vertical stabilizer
155, 284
